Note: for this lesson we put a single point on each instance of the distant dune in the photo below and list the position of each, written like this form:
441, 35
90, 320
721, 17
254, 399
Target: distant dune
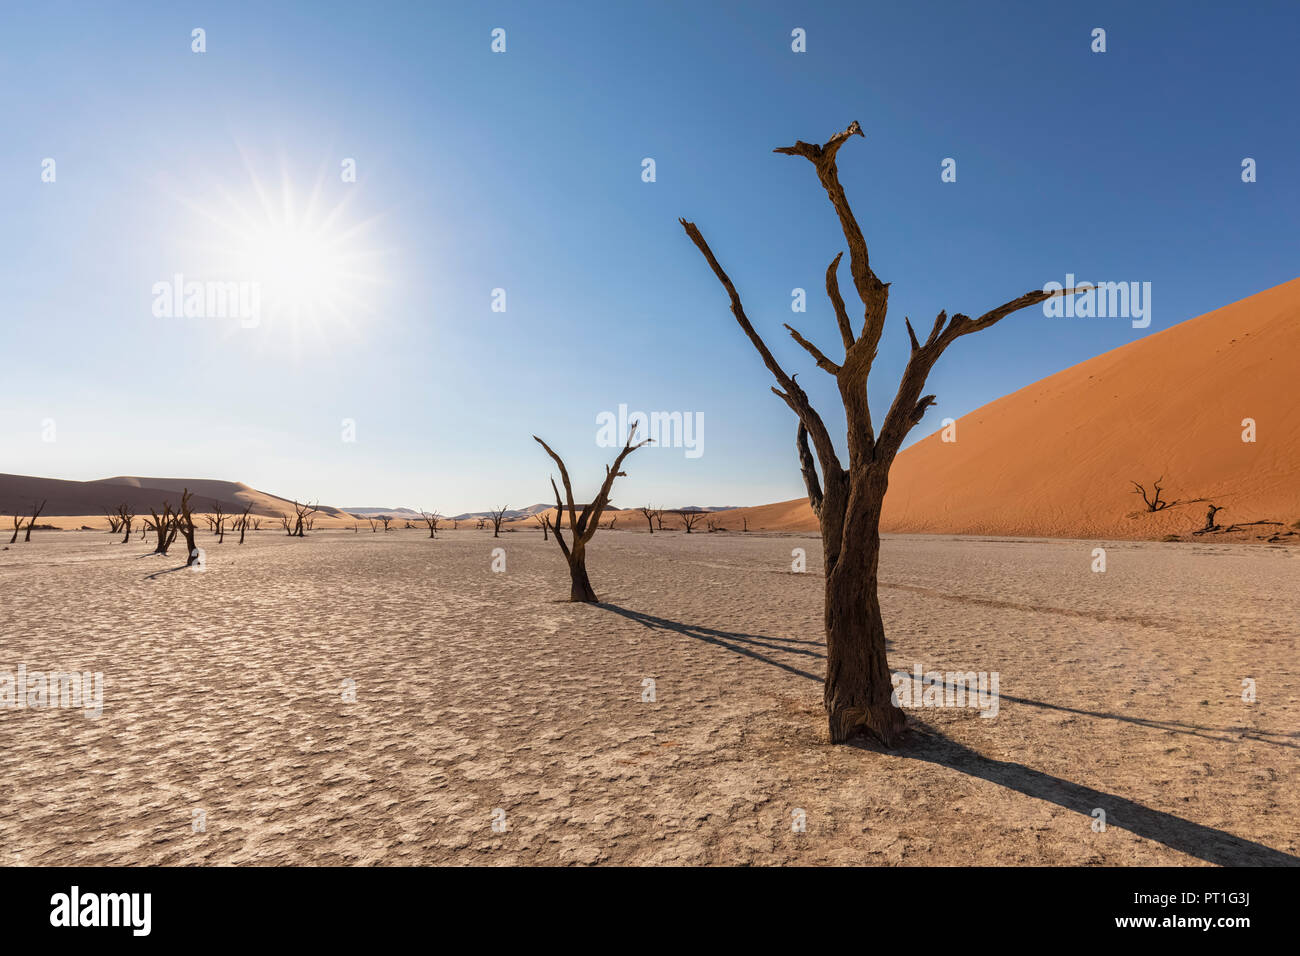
90, 498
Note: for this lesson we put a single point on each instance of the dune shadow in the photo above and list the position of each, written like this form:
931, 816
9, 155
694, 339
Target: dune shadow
1195, 839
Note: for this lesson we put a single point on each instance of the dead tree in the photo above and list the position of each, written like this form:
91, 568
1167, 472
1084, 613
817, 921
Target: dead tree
847, 501
219, 522
124, 518
18, 526
432, 521
1210, 523
690, 519
612, 521
286, 524
542, 520
114, 522
374, 528
649, 513
185, 523
1152, 503
387, 520
36, 513
455, 524
744, 523
164, 528
243, 521
302, 523
583, 527
712, 524
482, 523
659, 518
257, 524
497, 517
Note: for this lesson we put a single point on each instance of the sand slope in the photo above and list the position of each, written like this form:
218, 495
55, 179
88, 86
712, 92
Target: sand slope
1056, 458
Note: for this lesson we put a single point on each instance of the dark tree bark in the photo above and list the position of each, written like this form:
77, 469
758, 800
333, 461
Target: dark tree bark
164, 527
540, 518
18, 526
303, 521
497, 517
243, 522
185, 523
36, 513
848, 501
125, 516
432, 521
583, 527
218, 522
649, 513
1152, 503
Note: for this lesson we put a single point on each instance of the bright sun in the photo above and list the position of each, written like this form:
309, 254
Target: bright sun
309, 259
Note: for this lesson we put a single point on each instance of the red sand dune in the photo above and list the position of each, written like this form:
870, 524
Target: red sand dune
1057, 458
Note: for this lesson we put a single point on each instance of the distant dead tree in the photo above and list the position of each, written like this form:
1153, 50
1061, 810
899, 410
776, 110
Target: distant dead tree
185, 523
711, 523
542, 520
659, 518
355, 530
219, 522
482, 523
455, 524
18, 526
847, 501
649, 513
497, 516
612, 521
690, 519
257, 523
36, 513
164, 528
243, 521
387, 520
114, 522
374, 527
303, 514
745, 523
1153, 503
583, 527
431, 519
125, 515
1210, 523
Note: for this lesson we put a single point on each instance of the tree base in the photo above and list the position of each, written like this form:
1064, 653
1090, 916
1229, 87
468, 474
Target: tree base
884, 724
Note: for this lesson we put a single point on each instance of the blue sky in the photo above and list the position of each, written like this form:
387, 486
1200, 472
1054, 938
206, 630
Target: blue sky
523, 171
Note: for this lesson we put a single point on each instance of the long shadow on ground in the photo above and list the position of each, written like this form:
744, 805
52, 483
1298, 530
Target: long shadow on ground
926, 744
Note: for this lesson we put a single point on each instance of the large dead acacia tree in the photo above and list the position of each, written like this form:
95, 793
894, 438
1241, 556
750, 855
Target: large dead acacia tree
431, 519
690, 519
164, 528
303, 521
848, 500
583, 527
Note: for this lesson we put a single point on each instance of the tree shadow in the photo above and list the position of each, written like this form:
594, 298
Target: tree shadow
734, 641
150, 577
1203, 842
929, 745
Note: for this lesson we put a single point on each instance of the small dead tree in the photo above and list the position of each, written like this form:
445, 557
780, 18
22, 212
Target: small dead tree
374, 526
482, 523
219, 522
185, 523
125, 515
712, 524
243, 521
659, 518
542, 520
18, 526
455, 524
584, 527
164, 528
36, 513
1210, 523
497, 517
612, 521
431, 519
690, 519
303, 519
387, 520
1153, 503
848, 501
745, 523
649, 513
114, 522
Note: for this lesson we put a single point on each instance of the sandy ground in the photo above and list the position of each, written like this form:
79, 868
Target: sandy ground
478, 691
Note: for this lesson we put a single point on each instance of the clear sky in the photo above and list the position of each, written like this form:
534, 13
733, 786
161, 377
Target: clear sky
523, 171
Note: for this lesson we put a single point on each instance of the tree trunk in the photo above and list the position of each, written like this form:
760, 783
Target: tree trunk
580, 588
858, 688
